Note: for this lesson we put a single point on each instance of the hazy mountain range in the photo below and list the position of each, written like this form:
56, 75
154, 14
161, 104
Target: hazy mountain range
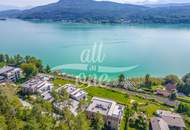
89, 11
7, 7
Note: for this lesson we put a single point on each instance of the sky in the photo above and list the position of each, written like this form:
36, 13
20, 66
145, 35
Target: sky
31, 3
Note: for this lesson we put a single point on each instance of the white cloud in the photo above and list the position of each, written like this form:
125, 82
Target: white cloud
24, 3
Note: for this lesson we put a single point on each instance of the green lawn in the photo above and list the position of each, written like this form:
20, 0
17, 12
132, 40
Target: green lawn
184, 99
119, 96
157, 87
144, 105
2, 64
110, 94
60, 82
150, 108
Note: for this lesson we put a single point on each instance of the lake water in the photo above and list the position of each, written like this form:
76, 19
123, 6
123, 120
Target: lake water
156, 49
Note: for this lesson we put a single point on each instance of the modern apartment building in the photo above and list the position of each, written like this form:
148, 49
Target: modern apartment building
111, 111
10, 74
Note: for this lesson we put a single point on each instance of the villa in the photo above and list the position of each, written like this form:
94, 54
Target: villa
167, 120
40, 85
111, 111
76, 94
72, 107
10, 74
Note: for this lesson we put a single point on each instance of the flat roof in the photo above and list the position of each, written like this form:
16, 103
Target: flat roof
6, 69
105, 107
167, 113
34, 82
158, 124
73, 107
37, 81
70, 88
79, 93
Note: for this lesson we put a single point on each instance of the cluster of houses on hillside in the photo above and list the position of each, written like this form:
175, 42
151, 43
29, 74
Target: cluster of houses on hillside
10, 74
110, 110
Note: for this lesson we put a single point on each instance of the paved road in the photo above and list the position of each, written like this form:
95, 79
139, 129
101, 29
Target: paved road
158, 98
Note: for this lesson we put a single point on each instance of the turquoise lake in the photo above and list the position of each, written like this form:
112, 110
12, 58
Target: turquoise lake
156, 49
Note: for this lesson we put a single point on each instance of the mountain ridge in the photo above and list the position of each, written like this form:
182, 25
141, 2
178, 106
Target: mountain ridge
89, 11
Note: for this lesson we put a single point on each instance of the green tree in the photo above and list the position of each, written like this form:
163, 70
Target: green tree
138, 121
62, 126
3, 125
69, 119
81, 122
98, 122
32, 124
185, 86
148, 82
29, 69
172, 79
47, 106
46, 122
173, 95
134, 106
61, 95
18, 60
14, 124
82, 105
47, 69
34, 61
141, 122
2, 58
121, 80
7, 59
128, 113
184, 108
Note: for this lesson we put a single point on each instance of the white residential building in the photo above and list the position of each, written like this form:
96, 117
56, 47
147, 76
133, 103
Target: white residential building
72, 107
111, 111
76, 94
10, 74
39, 84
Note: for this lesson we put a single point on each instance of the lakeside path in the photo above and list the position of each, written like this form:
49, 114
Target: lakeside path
165, 100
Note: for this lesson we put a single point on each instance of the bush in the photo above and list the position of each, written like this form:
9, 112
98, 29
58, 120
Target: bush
184, 108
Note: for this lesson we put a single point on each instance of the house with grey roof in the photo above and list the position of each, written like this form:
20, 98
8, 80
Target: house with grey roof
10, 74
110, 110
174, 121
158, 124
